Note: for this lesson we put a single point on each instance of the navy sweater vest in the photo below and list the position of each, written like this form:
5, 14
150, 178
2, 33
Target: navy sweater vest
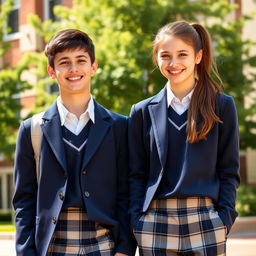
176, 152
75, 147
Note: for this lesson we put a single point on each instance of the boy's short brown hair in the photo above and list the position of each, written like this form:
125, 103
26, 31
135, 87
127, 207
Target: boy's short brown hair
69, 39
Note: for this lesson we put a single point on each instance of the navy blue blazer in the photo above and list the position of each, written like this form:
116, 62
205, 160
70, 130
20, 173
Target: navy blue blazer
211, 166
105, 162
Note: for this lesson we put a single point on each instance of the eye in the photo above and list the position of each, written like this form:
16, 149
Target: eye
82, 61
165, 56
63, 63
183, 54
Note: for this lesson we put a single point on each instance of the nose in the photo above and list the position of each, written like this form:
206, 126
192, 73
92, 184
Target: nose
173, 62
73, 67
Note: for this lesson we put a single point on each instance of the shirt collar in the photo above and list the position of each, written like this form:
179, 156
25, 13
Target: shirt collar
64, 112
171, 97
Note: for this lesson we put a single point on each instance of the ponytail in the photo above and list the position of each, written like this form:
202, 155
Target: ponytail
204, 96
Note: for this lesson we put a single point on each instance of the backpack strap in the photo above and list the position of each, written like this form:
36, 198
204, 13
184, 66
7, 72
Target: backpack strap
36, 138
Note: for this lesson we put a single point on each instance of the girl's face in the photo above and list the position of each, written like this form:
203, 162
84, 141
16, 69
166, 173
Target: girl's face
177, 60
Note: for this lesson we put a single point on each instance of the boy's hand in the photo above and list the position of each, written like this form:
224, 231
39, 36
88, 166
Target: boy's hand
120, 254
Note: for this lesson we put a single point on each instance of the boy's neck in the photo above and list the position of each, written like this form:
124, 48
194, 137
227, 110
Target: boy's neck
76, 104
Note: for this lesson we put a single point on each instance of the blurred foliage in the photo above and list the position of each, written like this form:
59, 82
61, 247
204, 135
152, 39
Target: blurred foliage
36, 64
5, 9
234, 60
246, 200
123, 34
5, 217
11, 84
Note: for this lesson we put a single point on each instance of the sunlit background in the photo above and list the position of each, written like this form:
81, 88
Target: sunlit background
122, 31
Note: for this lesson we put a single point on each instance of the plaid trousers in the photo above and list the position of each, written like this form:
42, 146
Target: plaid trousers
76, 235
181, 227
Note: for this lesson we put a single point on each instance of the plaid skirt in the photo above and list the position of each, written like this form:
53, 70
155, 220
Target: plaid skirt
181, 227
76, 235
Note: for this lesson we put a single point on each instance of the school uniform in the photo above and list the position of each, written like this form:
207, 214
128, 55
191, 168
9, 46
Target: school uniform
79, 206
182, 195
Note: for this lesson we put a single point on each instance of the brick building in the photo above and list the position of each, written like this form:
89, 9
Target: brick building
24, 39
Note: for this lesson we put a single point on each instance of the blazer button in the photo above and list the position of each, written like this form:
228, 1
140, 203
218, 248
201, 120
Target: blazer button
86, 193
84, 172
54, 220
61, 196
65, 175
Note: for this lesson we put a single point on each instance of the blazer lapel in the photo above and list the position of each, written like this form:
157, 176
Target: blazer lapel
158, 115
97, 132
51, 128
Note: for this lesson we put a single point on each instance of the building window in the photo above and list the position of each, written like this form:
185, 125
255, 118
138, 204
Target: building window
13, 22
49, 6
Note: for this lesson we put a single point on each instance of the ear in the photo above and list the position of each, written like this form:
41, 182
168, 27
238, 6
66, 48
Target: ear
199, 55
94, 67
51, 72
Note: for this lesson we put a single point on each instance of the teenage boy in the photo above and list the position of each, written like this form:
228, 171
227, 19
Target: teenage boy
79, 205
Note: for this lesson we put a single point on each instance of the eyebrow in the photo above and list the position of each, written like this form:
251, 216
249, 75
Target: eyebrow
78, 56
178, 51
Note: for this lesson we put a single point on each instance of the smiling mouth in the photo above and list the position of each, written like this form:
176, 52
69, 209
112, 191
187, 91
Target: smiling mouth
175, 72
74, 78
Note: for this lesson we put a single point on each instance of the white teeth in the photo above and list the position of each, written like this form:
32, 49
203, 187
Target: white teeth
175, 72
74, 78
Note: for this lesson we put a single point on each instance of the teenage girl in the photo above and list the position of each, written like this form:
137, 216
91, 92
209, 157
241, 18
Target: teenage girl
184, 151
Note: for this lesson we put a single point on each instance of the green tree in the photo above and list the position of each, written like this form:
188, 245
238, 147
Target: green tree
11, 85
233, 61
123, 34
5, 9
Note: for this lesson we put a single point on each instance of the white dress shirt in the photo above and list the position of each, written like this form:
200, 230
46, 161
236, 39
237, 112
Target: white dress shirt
180, 106
71, 122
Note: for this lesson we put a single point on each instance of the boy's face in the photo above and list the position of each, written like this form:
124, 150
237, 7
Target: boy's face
73, 71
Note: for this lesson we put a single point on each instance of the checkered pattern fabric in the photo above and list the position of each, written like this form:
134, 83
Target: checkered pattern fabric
76, 235
181, 227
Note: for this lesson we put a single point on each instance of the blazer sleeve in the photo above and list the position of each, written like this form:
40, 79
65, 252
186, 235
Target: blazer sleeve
24, 200
228, 162
126, 243
138, 162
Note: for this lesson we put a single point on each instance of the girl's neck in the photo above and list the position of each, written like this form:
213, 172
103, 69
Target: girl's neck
181, 91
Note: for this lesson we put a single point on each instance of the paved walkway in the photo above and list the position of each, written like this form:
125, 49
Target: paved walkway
241, 241
243, 246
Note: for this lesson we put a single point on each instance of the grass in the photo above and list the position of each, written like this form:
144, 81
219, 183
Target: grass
6, 227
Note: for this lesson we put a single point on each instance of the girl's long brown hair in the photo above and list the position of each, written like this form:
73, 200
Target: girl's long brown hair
202, 105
